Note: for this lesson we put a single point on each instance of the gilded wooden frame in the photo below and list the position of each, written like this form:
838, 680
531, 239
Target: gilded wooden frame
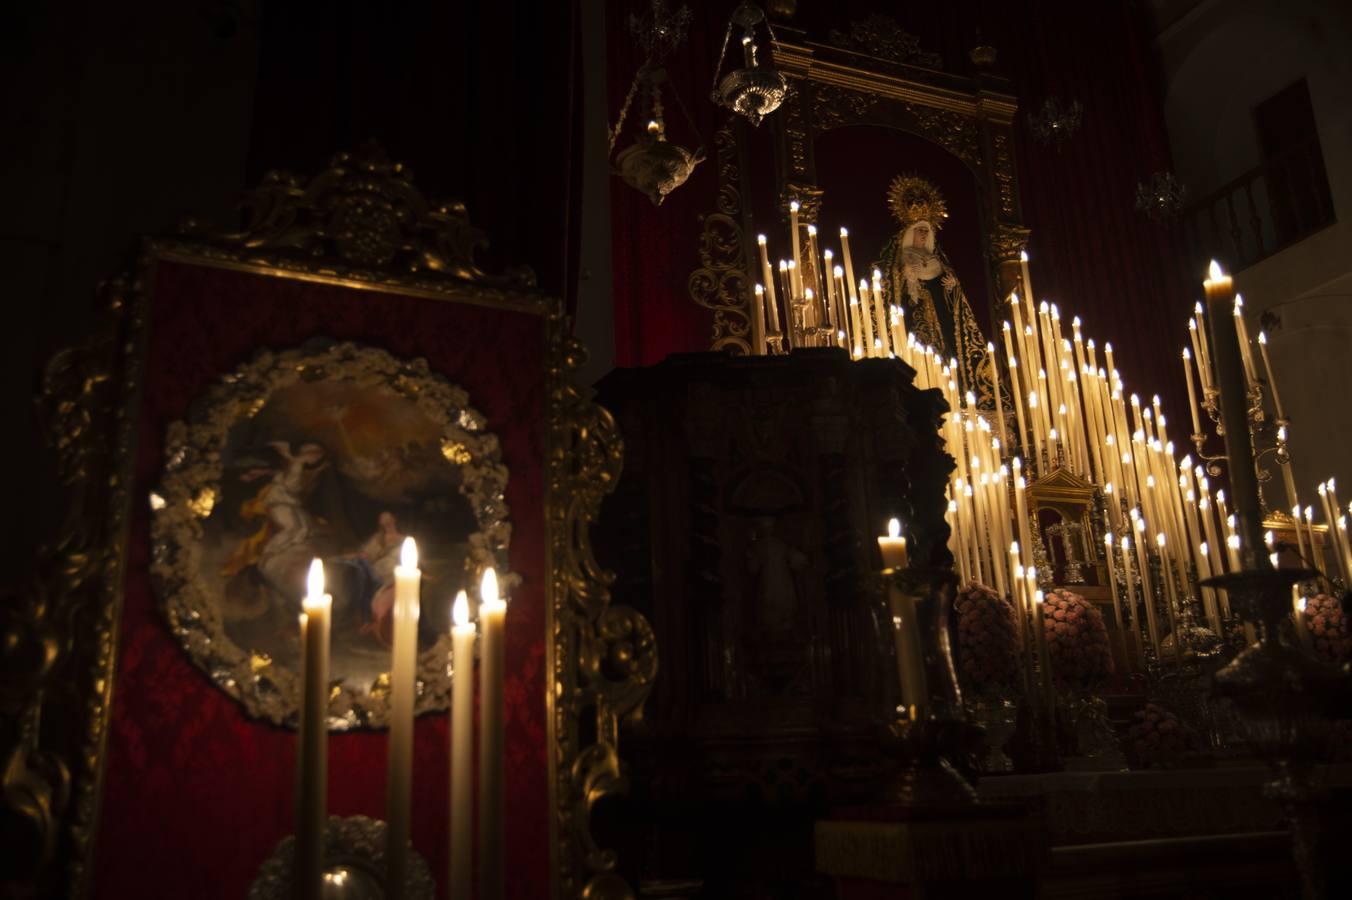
359, 224
873, 75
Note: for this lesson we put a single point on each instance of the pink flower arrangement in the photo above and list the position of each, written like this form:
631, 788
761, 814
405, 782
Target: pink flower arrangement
987, 648
1077, 640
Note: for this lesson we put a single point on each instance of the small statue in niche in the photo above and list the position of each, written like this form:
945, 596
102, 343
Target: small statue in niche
918, 277
775, 568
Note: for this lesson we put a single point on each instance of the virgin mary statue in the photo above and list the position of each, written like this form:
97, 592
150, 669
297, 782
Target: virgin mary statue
918, 277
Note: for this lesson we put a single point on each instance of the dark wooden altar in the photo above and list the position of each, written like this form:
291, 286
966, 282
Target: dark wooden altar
745, 525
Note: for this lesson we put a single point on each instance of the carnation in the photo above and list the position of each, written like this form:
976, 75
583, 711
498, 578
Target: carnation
1327, 628
987, 649
1077, 640
1157, 737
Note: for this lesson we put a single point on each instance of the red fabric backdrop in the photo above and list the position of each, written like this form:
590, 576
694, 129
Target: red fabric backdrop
1092, 252
197, 795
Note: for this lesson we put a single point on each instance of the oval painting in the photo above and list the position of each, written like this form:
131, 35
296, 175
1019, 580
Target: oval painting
336, 452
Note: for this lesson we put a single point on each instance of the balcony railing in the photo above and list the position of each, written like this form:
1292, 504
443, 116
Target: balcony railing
1263, 211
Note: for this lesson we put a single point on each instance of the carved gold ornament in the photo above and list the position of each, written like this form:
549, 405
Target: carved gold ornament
60, 652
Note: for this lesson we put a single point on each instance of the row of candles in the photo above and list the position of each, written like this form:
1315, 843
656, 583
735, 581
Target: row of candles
312, 756
1166, 530
1074, 418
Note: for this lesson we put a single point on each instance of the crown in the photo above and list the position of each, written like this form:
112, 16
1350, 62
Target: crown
913, 199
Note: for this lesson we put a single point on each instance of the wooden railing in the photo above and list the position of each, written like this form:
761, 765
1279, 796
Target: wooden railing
1263, 211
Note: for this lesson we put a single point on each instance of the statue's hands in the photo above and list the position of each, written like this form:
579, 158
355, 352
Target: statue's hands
949, 281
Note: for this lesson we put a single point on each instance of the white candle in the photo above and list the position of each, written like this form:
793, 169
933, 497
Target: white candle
1246, 354
772, 306
403, 690
880, 311
311, 805
893, 546
866, 319
492, 666
1192, 394
461, 880
797, 266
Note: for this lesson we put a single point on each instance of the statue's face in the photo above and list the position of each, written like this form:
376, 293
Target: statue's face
920, 235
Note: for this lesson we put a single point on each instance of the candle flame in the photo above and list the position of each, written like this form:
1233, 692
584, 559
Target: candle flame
1262, 338
1108, 541
1269, 538
1214, 272
894, 528
1126, 544
793, 206
1203, 547
1300, 605
812, 231
1233, 541
828, 255
760, 239
838, 271
1159, 540
760, 289
314, 583
488, 587
1037, 597
460, 610
408, 554
1013, 548
844, 232
1023, 256
1309, 514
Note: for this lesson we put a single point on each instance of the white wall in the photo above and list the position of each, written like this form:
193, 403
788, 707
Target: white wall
1220, 58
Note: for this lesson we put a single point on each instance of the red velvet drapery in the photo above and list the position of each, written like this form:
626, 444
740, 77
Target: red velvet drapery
197, 795
1092, 252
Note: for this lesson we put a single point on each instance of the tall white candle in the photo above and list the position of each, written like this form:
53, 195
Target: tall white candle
461, 880
492, 666
311, 802
768, 276
403, 690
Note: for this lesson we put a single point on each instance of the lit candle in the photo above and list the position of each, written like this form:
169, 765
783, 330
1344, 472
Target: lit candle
1330, 529
849, 264
1138, 631
1298, 615
461, 880
1228, 343
759, 344
1272, 382
893, 546
797, 267
828, 272
768, 276
1245, 351
403, 690
1204, 357
492, 666
880, 310
311, 805
1192, 394
1044, 659
866, 319
856, 331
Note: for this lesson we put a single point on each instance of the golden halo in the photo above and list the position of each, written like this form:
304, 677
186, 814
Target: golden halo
913, 199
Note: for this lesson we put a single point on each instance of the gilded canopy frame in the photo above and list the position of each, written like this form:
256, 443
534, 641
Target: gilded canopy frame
874, 74
360, 224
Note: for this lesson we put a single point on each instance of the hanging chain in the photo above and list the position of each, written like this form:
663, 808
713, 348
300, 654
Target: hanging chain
624, 111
